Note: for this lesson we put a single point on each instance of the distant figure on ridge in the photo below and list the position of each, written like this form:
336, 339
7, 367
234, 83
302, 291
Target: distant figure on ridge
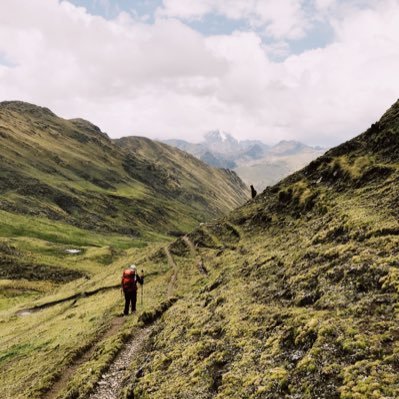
253, 191
130, 278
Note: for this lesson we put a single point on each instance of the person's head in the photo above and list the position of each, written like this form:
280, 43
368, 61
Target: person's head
133, 267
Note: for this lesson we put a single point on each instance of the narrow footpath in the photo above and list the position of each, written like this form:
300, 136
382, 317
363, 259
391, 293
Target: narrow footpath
190, 245
111, 383
173, 279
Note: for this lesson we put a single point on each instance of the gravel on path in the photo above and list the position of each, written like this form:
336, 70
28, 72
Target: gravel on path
111, 382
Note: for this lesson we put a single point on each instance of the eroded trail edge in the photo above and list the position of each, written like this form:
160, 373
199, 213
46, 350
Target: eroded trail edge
111, 382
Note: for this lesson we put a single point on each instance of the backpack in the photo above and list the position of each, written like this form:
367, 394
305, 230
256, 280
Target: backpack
129, 280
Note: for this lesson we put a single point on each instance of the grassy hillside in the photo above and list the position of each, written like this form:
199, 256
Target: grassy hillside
188, 178
69, 171
296, 293
65, 185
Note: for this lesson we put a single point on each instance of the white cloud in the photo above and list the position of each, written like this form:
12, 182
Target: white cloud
167, 80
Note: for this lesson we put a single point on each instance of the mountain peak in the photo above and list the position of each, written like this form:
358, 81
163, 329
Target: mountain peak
217, 136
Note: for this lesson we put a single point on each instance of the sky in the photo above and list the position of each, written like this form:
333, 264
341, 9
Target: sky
317, 71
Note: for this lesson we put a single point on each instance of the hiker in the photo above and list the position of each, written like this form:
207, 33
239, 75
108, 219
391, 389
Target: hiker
253, 191
130, 278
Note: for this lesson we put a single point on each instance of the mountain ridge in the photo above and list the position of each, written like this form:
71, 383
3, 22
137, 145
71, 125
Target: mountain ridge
47, 160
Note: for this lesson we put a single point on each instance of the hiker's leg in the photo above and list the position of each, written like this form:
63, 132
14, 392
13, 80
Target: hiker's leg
127, 302
134, 300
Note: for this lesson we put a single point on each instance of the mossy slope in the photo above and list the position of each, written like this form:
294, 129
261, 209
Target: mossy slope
301, 295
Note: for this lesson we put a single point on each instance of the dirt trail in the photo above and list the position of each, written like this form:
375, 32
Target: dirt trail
172, 282
111, 383
190, 244
199, 261
67, 374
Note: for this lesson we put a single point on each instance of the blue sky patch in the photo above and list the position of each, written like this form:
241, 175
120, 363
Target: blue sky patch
111, 8
319, 36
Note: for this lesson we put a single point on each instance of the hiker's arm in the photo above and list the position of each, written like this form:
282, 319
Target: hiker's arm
140, 279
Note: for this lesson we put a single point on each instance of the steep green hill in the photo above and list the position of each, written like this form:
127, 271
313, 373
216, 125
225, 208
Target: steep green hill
296, 292
188, 178
69, 171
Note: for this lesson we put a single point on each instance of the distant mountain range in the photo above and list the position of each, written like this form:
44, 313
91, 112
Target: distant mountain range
254, 161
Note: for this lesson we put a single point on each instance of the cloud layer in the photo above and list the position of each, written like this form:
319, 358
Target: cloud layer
165, 79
